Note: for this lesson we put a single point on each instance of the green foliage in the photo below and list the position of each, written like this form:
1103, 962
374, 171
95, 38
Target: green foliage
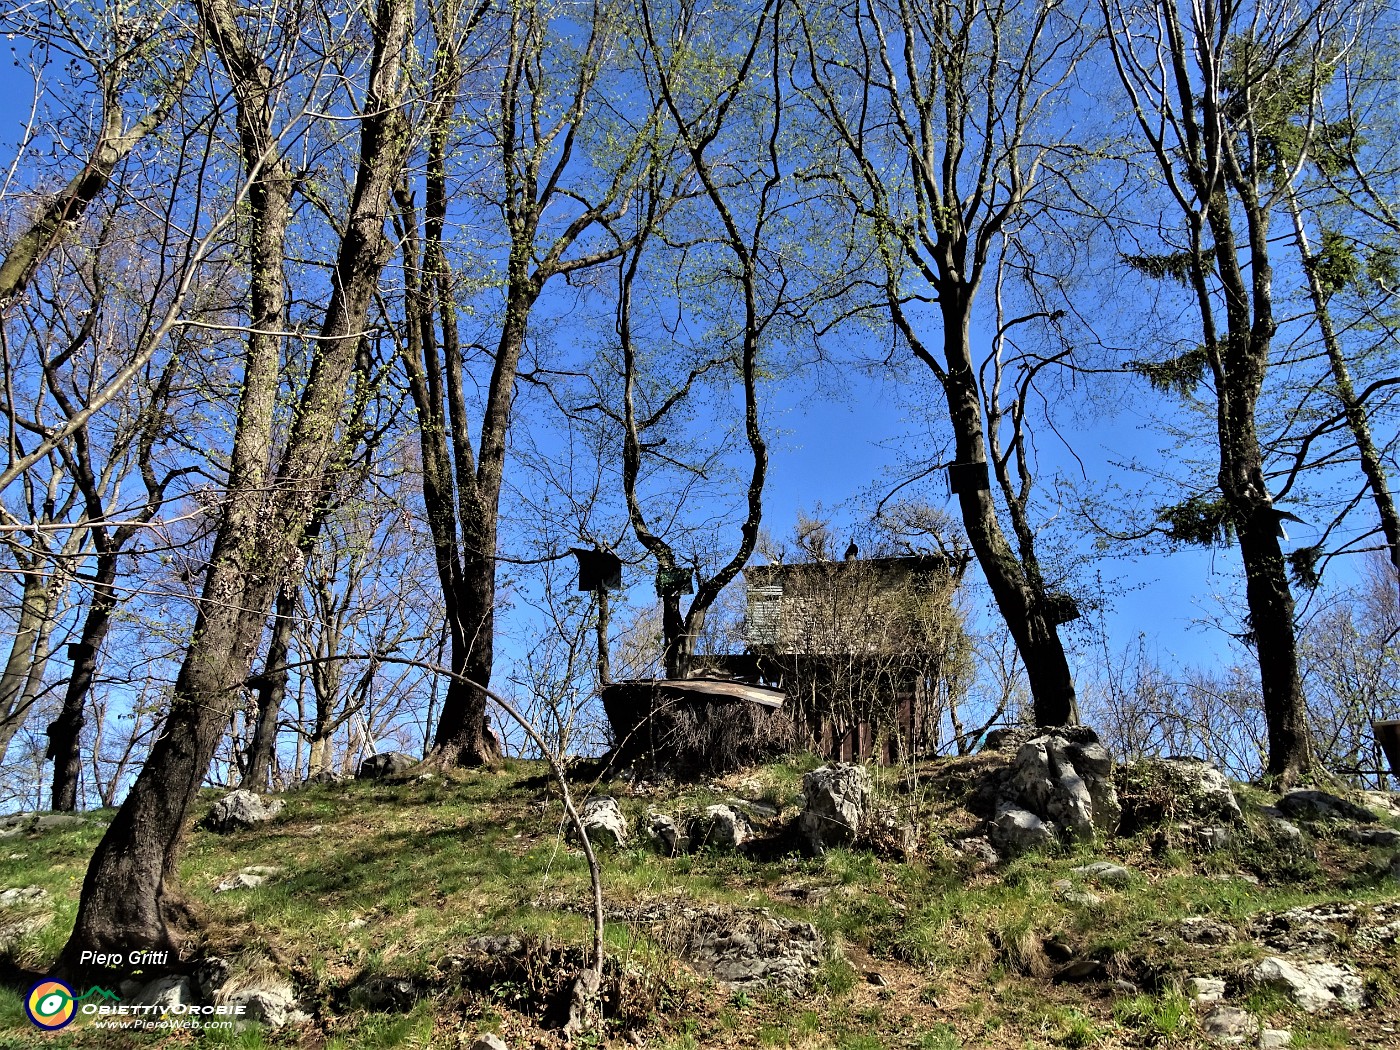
1336, 265
1175, 266
1203, 520
940, 1037
1166, 1020
1302, 564
1180, 375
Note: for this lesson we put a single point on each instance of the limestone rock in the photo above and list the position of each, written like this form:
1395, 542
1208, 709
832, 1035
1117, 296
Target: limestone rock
1386, 802
389, 764
1197, 929
326, 776
1158, 791
1017, 830
1312, 985
242, 881
272, 1003
1274, 1038
1308, 926
757, 948
488, 1041
1281, 829
837, 805
50, 821
1103, 871
1065, 778
241, 809
718, 827
666, 834
977, 847
383, 994
1211, 837
583, 1003
602, 819
1206, 989
1382, 838
23, 895
1230, 1026
209, 976
25, 911
165, 994
1319, 805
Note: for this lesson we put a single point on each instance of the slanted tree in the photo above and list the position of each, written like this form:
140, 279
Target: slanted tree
128, 893
940, 117
1200, 80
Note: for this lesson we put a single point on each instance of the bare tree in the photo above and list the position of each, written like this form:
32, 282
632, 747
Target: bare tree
940, 114
561, 176
127, 893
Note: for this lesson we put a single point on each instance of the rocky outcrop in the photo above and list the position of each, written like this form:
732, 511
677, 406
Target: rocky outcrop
602, 819
241, 809
837, 806
271, 1002
1312, 985
719, 827
1158, 791
248, 878
23, 910
756, 949
1319, 805
665, 834
1230, 1026
1016, 831
389, 764
165, 995
1059, 787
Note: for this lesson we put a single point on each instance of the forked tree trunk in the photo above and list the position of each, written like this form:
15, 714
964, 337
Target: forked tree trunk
128, 898
1015, 586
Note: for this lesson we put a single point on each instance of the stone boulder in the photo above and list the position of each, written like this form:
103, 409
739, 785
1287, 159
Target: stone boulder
389, 764
602, 819
837, 806
1380, 838
756, 948
383, 994
23, 910
1305, 804
165, 994
272, 1003
241, 809
327, 777
1312, 985
665, 834
1159, 791
1064, 778
1230, 1026
1015, 831
719, 827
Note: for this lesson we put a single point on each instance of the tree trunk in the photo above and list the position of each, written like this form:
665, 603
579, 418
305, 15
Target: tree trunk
272, 689
66, 730
127, 899
1019, 594
1372, 466
27, 659
67, 207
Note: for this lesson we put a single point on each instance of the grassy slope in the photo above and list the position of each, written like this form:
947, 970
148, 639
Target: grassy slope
387, 879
